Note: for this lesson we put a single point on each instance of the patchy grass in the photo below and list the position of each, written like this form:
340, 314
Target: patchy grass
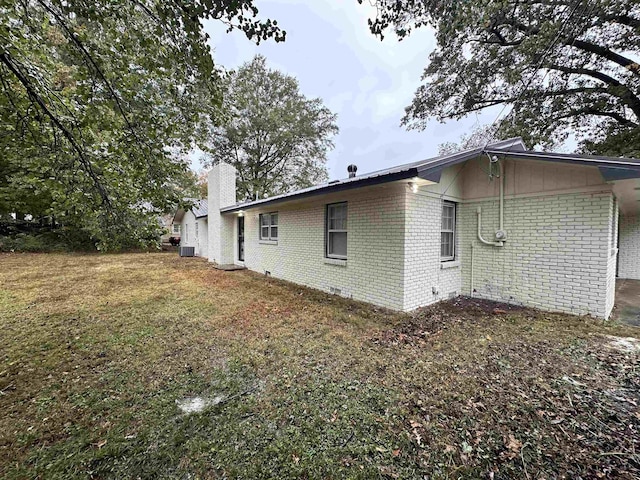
96, 351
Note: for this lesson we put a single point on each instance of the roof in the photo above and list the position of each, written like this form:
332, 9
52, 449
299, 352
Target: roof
612, 168
200, 209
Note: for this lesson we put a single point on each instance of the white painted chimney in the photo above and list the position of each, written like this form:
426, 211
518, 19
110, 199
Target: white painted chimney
221, 193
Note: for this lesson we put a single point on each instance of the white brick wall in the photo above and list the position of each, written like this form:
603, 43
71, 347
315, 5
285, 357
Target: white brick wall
629, 262
556, 256
613, 255
374, 269
192, 238
422, 268
187, 230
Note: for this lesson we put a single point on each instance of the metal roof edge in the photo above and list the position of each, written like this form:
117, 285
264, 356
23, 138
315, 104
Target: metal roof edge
326, 189
431, 169
621, 162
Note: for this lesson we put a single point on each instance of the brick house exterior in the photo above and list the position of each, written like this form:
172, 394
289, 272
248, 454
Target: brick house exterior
629, 266
194, 227
409, 236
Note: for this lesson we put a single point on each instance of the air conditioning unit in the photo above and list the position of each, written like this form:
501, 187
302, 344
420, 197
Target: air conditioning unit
187, 251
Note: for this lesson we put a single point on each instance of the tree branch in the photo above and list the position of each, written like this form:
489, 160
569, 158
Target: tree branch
8, 61
627, 63
592, 111
626, 94
72, 36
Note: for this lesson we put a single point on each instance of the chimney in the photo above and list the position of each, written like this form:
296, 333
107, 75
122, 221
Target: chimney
222, 193
352, 169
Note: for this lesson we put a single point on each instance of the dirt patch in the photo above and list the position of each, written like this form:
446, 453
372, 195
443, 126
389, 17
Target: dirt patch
437, 318
623, 344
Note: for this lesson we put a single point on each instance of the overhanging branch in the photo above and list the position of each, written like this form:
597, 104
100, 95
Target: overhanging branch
5, 57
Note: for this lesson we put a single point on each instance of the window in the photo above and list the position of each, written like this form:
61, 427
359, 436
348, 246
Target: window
269, 226
176, 228
336, 239
448, 232
196, 229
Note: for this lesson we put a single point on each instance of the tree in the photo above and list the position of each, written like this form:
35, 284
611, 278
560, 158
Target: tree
275, 137
100, 101
563, 65
202, 182
480, 136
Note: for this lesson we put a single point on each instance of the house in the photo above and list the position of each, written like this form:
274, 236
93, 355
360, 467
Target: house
499, 222
193, 227
169, 229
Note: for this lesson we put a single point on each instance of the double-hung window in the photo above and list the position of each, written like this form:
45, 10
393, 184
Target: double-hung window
269, 226
176, 228
336, 235
448, 232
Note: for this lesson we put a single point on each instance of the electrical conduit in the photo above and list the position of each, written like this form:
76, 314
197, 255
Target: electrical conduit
486, 242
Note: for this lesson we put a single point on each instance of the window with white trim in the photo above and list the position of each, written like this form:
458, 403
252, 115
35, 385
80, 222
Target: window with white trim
336, 235
176, 228
448, 232
269, 226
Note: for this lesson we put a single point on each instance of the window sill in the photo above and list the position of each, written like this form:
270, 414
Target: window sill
449, 264
268, 242
335, 261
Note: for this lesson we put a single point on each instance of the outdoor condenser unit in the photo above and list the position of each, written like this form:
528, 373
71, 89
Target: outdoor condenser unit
187, 251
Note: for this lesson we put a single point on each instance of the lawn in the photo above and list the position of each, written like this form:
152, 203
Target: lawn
101, 354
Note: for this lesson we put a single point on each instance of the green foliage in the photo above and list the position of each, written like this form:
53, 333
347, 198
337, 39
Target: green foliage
618, 142
100, 102
275, 137
144, 235
479, 136
576, 62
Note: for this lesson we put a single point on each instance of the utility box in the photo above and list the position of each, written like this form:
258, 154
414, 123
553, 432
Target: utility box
187, 251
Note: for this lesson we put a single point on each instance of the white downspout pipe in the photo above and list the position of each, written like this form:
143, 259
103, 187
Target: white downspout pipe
471, 286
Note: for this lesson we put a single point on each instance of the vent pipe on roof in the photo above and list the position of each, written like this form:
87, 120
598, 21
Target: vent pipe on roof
352, 169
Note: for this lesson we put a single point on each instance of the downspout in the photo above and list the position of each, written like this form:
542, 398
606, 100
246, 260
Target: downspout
471, 286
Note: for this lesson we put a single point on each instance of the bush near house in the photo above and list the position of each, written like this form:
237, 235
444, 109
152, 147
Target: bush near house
37, 236
49, 236
97, 351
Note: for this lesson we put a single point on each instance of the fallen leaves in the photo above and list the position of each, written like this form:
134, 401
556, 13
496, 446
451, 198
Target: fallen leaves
461, 389
416, 434
513, 447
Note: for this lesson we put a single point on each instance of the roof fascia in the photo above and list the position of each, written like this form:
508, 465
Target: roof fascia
338, 187
611, 168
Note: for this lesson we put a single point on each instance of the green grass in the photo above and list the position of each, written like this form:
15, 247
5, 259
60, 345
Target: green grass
96, 349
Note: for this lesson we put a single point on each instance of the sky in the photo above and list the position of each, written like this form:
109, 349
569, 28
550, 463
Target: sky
365, 81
